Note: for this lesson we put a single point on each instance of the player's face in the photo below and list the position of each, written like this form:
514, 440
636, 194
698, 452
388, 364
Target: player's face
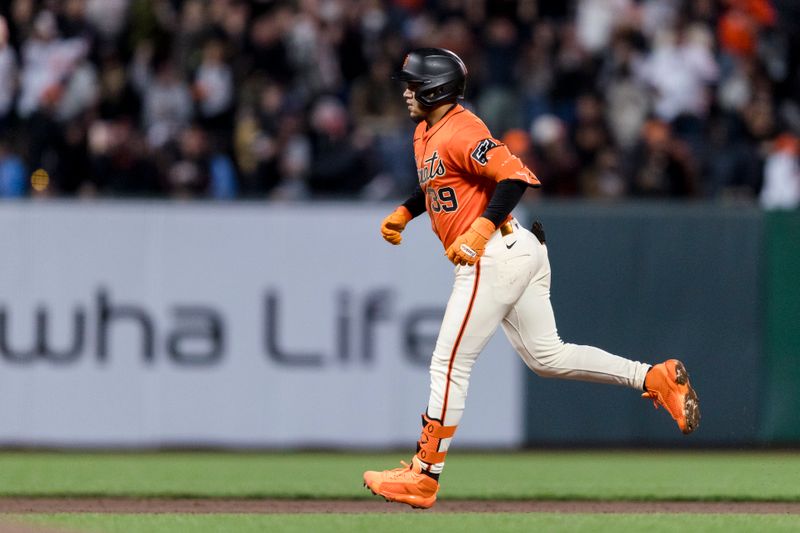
415, 109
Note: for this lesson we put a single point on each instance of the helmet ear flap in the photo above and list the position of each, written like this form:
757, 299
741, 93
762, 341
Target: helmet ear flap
449, 92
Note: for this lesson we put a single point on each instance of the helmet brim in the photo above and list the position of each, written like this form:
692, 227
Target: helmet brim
408, 77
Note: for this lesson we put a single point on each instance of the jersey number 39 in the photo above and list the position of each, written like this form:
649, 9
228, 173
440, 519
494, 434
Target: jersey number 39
442, 199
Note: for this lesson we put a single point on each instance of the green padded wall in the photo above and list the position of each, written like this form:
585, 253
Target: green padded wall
781, 421
649, 282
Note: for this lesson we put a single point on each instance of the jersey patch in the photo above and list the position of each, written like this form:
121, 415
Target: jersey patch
480, 151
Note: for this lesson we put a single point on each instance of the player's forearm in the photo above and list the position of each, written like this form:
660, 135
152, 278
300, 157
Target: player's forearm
415, 203
505, 198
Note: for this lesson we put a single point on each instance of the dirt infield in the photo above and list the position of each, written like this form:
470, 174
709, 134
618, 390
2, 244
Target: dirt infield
210, 506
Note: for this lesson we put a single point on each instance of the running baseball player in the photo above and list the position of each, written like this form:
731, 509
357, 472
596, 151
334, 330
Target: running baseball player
469, 182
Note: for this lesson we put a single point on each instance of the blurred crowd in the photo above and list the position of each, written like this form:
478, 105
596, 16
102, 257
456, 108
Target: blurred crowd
293, 99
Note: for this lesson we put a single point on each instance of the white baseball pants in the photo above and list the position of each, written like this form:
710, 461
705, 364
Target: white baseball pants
510, 285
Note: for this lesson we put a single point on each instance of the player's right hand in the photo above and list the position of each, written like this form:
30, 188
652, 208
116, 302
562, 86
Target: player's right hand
394, 224
468, 247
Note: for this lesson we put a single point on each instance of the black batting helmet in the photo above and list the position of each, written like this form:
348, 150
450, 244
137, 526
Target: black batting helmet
441, 74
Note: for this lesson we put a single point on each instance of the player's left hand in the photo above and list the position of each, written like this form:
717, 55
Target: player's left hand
393, 225
470, 245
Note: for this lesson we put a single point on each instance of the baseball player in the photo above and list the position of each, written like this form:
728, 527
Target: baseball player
469, 182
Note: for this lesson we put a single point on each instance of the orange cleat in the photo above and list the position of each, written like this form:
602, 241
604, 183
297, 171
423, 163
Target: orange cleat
667, 384
404, 485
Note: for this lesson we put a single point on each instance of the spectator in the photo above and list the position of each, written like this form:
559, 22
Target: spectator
604, 179
166, 104
573, 71
295, 161
198, 169
119, 162
596, 20
224, 184
535, 72
590, 133
739, 26
8, 75
47, 64
498, 103
340, 165
213, 89
20, 20
265, 142
229, 22
737, 163
193, 31
117, 97
268, 49
680, 69
114, 86
13, 179
80, 91
189, 175
557, 166
661, 165
782, 174
107, 18
378, 110
626, 99
72, 172
72, 21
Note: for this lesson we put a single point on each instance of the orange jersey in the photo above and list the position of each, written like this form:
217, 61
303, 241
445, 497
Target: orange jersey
459, 164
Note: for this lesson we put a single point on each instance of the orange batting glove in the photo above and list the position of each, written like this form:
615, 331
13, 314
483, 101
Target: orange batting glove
394, 224
469, 246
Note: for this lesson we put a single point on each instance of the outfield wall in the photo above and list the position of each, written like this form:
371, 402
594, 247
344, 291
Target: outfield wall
138, 324
255, 325
718, 287
651, 282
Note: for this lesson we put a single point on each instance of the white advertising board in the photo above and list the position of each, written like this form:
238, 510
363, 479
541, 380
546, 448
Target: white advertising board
241, 325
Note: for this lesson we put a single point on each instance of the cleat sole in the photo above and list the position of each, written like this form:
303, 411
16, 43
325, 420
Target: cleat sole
691, 403
387, 499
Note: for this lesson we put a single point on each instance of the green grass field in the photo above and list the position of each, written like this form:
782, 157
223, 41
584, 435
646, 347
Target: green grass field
461, 523
640, 476
536, 475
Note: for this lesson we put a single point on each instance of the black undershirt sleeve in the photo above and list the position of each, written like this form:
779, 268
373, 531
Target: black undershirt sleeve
416, 203
505, 198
